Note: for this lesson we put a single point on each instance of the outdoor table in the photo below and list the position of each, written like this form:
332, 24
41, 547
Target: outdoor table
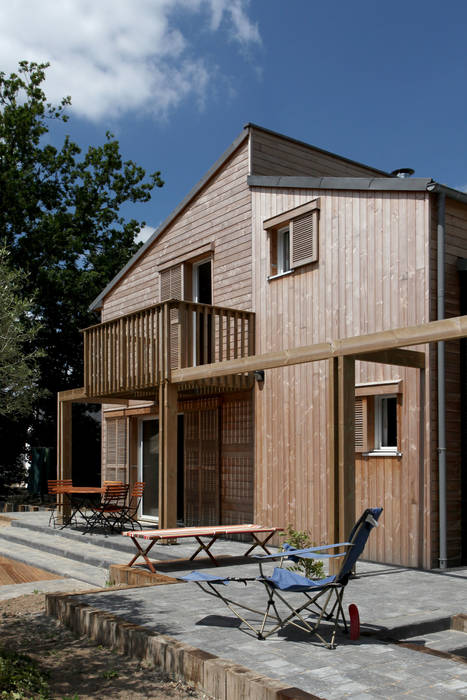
213, 532
79, 498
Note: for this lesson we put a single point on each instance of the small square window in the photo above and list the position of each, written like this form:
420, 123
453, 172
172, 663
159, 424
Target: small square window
386, 423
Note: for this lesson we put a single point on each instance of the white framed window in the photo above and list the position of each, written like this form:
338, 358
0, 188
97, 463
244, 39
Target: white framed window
283, 250
293, 238
386, 423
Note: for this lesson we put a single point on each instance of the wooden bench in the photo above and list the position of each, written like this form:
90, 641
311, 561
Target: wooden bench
213, 532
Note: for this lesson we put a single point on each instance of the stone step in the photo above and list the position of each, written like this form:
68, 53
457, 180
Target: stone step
449, 641
61, 565
71, 548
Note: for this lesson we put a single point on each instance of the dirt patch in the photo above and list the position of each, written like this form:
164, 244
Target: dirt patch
78, 667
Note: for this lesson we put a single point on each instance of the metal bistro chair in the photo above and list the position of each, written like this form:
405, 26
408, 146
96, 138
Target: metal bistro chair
107, 513
321, 599
129, 514
53, 488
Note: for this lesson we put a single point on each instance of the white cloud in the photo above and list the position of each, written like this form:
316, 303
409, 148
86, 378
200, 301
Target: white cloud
145, 233
115, 56
462, 188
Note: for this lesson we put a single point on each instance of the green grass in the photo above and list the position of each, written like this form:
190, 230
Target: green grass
21, 678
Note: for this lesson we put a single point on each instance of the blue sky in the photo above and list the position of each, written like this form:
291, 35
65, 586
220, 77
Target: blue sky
176, 80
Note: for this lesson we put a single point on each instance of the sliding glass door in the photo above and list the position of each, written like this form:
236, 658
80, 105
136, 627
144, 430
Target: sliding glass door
148, 467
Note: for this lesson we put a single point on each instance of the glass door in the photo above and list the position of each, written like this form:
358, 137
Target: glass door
148, 467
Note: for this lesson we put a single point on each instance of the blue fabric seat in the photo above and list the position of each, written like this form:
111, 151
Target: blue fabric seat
322, 599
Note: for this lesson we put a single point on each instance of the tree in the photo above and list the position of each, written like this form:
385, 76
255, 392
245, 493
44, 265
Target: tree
60, 216
18, 370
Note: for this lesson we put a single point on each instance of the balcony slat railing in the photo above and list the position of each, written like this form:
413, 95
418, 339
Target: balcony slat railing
139, 350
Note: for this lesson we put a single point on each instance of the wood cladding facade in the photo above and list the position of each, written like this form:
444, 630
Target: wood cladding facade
375, 269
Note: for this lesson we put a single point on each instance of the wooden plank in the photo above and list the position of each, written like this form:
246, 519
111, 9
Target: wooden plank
373, 342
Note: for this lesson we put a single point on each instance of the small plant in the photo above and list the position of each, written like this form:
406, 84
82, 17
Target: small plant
108, 675
109, 583
20, 677
300, 539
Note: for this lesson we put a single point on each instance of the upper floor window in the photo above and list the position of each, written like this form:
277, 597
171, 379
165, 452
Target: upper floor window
293, 238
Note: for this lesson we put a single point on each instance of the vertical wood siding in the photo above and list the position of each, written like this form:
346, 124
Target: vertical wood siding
273, 155
220, 213
371, 275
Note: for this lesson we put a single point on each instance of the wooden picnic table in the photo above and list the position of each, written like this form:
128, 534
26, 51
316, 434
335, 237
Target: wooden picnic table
213, 532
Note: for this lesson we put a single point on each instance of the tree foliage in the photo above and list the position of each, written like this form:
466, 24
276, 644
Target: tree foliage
60, 217
18, 365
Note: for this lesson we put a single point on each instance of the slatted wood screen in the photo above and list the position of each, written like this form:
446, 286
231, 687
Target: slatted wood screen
116, 449
304, 237
237, 473
202, 463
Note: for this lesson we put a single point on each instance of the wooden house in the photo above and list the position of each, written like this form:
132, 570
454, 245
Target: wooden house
283, 245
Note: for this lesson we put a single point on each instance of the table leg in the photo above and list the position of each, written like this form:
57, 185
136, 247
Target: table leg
143, 553
205, 548
259, 543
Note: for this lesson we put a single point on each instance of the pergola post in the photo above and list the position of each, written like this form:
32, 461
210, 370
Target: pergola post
64, 444
168, 455
341, 450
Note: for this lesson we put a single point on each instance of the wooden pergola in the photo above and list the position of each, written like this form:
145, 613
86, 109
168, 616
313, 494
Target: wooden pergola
388, 347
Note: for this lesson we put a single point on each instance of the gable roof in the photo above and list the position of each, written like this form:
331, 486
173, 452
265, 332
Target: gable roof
97, 303
385, 182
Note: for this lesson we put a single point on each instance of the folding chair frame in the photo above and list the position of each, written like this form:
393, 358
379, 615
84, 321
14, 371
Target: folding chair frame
330, 590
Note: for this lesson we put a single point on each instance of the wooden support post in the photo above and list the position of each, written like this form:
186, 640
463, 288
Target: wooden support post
168, 455
346, 429
341, 451
332, 454
64, 467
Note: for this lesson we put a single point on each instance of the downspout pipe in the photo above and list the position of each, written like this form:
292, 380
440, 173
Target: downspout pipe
441, 247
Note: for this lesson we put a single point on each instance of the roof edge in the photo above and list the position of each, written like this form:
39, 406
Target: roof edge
97, 303
250, 125
341, 183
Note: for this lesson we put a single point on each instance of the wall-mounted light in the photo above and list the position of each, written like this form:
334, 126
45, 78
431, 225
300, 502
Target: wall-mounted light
259, 375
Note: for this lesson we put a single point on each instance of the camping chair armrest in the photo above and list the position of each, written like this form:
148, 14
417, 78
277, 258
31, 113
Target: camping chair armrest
307, 553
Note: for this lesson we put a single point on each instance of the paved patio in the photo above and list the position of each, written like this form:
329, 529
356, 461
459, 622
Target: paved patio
393, 603
396, 606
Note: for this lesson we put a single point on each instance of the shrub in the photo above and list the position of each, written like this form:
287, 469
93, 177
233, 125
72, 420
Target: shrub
300, 539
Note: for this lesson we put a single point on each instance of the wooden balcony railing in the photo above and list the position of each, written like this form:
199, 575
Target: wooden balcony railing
139, 350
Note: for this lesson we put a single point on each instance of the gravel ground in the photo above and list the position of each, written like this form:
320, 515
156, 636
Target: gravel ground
78, 668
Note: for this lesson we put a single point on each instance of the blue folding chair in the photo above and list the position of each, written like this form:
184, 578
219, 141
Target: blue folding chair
323, 598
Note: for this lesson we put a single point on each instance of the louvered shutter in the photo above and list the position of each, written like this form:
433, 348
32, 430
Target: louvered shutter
172, 283
172, 288
116, 441
361, 425
304, 235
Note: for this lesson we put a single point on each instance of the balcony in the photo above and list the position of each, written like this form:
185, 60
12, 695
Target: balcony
132, 355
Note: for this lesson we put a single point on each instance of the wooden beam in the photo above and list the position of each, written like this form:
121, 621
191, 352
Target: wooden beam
167, 455
397, 356
446, 329
79, 396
